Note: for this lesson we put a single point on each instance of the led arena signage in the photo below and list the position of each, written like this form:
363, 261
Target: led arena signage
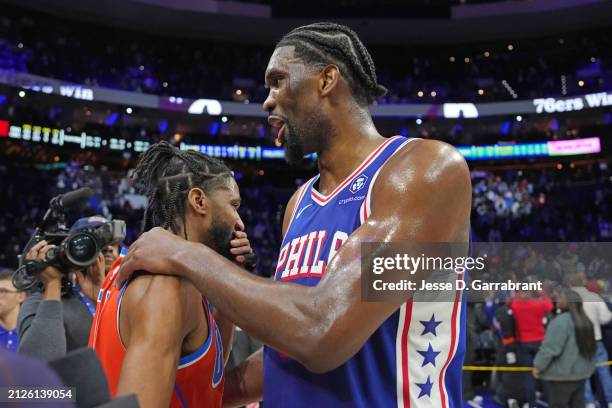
554, 148
552, 105
204, 106
63, 138
210, 106
46, 85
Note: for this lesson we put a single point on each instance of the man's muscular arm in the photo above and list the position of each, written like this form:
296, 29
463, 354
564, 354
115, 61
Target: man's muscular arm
152, 337
422, 195
244, 384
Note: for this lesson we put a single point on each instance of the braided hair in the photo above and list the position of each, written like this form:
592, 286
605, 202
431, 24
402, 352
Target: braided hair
321, 44
165, 175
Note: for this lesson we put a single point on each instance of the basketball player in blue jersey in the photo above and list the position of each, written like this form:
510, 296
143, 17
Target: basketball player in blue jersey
325, 347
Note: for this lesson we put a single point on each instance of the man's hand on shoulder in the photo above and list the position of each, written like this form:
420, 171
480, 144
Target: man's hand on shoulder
155, 252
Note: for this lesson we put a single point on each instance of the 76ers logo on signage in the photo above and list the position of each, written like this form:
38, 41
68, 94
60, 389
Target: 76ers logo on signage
358, 183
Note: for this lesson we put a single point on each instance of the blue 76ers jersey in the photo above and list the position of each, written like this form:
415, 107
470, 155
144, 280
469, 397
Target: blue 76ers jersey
413, 359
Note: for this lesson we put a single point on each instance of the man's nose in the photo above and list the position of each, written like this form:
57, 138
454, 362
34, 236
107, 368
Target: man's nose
239, 224
270, 103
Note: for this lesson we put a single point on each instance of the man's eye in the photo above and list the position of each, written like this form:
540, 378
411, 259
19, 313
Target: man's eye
274, 81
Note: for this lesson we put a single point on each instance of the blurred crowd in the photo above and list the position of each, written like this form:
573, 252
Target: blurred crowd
551, 204
571, 204
97, 56
115, 197
563, 330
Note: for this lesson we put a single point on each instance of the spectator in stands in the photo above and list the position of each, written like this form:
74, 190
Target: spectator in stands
57, 320
509, 384
10, 301
598, 313
529, 310
476, 322
565, 359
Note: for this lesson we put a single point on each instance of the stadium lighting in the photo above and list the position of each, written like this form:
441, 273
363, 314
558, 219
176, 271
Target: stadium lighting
481, 92
510, 47
487, 54
581, 83
20, 45
433, 94
165, 84
21, 94
224, 119
128, 111
467, 60
452, 59
238, 92
419, 121
509, 89
420, 94
519, 118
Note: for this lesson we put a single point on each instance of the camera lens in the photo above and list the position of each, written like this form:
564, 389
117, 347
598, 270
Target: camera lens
82, 249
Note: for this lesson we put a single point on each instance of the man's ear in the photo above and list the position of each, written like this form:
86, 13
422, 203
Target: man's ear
197, 201
328, 79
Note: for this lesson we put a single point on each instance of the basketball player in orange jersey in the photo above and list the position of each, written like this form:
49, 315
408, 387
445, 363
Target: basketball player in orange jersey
325, 346
156, 335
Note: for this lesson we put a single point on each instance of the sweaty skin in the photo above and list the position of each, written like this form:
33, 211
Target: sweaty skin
422, 194
146, 332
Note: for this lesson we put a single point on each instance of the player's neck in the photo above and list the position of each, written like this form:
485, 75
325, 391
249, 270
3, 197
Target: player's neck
347, 149
9, 320
192, 234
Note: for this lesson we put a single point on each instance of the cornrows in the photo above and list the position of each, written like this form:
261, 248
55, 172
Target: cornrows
165, 175
320, 44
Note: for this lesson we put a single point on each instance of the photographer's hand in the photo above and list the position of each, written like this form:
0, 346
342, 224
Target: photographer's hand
51, 277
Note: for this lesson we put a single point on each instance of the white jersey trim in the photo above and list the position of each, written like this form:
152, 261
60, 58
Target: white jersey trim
366, 208
322, 199
301, 194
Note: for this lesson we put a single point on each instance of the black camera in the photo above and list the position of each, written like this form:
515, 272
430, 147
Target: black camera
75, 249
80, 249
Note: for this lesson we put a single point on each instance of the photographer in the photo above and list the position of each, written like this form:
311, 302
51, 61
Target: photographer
56, 318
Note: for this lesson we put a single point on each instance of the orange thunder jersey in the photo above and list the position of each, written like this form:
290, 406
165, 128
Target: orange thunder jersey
199, 377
